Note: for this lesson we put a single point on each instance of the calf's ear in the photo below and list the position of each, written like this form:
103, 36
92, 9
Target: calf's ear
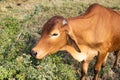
71, 39
72, 42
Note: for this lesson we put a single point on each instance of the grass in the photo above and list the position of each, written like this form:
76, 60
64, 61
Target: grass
20, 28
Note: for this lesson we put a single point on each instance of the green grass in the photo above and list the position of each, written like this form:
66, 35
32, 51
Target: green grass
20, 28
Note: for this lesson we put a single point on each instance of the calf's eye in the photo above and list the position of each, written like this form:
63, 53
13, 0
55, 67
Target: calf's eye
54, 34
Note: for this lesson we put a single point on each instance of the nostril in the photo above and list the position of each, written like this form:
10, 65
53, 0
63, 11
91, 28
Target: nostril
33, 53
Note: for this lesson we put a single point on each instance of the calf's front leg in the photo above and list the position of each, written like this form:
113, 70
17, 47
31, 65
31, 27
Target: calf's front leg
100, 61
85, 64
84, 69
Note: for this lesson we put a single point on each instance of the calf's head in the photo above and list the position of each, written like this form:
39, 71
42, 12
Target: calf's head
56, 34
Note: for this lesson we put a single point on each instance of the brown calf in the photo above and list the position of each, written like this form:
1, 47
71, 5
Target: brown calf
96, 32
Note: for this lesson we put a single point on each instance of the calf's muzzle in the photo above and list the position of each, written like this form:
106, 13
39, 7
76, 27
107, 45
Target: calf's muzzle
33, 53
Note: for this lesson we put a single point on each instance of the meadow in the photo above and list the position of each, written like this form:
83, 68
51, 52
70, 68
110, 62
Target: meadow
21, 22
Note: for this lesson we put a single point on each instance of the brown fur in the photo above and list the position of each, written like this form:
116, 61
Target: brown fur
50, 23
96, 32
